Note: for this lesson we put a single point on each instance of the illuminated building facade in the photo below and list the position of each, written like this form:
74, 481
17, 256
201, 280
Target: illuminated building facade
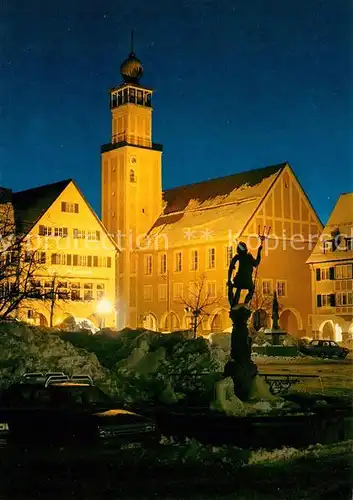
75, 256
331, 265
171, 241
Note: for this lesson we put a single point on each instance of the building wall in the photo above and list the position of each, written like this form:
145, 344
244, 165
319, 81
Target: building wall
131, 200
287, 211
94, 263
332, 314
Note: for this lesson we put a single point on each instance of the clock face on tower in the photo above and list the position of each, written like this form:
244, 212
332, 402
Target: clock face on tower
133, 159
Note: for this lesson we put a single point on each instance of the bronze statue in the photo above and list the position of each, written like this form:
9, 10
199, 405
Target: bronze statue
275, 312
243, 278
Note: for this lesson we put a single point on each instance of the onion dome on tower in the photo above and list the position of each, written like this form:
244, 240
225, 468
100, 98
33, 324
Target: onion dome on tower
131, 69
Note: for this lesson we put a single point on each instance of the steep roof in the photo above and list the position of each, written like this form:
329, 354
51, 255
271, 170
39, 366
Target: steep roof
341, 219
31, 204
214, 207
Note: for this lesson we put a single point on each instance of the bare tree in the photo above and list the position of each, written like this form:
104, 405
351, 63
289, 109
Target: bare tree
18, 265
197, 303
261, 302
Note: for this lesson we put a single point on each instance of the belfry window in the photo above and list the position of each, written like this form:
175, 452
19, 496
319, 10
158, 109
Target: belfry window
139, 97
132, 175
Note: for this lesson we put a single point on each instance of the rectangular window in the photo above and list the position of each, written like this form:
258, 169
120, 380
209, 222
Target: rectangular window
48, 289
100, 291
349, 244
327, 246
147, 293
228, 255
45, 231
75, 260
162, 263
148, 265
211, 258
62, 290
60, 231
326, 300
211, 289
194, 260
41, 257
69, 259
162, 293
69, 207
75, 291
178, 256
177, 291
344, 299
109, 262
82, 260
343, 271
35, 291
58, 259
281, 288
79, 233
88, 291
325, 274
93, 235
266, 287
95, 261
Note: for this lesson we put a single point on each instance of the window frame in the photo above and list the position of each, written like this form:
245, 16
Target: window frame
267, 280
209, 260
145, 288
283, 282
161, 257
175, 258
148, 264
194, 252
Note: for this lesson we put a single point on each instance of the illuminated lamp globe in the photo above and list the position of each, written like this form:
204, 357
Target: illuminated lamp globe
104, 306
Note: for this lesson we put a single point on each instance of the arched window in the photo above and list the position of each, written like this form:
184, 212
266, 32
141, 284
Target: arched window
132, 176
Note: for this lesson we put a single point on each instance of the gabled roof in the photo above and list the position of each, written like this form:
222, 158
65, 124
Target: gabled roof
340, 221
30, 205
214, 206
215, 191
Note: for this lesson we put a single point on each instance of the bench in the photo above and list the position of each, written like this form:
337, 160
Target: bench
281, 382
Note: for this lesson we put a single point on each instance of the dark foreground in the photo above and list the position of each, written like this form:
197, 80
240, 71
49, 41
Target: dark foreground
324, 473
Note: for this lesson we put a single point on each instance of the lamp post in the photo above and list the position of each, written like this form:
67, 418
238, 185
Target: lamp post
104, 307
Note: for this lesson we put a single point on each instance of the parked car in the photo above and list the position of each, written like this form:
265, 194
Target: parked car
57, 410
324, 349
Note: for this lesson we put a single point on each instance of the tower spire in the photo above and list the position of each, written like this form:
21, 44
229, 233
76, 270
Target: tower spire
132, 42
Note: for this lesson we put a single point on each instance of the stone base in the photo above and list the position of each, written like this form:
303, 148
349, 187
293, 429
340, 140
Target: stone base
243, 375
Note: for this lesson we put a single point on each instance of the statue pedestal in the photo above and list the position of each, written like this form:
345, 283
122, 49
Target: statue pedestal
277, 335
240, 367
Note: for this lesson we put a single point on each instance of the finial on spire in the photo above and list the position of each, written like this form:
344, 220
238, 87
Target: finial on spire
131, 69
132, 42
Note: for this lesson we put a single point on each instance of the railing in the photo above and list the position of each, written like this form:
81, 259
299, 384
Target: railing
114, 145
132, 139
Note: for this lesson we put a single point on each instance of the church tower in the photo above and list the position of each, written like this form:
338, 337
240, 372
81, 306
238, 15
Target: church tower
131, 180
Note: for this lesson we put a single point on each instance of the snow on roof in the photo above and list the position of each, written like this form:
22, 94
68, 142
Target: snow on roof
211, 210
340, 220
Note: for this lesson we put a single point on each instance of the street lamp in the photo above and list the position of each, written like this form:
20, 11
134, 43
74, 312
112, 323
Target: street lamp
104, 307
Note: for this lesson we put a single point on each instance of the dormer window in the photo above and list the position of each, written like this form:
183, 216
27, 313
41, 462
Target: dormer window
132, 175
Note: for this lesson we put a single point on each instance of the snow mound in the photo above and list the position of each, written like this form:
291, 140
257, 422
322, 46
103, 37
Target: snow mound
72, 324
25, 348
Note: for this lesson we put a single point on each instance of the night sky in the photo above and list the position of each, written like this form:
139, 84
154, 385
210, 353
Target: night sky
238, 85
